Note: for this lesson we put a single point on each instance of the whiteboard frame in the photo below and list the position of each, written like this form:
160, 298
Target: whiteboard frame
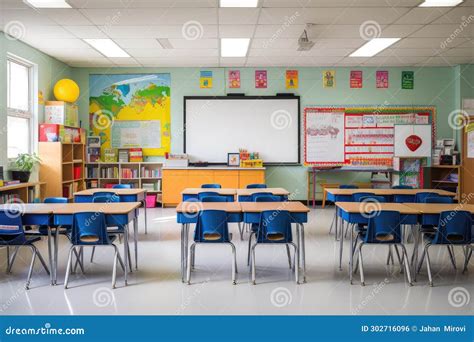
240, 97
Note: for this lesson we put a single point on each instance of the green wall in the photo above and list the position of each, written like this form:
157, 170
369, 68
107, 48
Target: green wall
49, 71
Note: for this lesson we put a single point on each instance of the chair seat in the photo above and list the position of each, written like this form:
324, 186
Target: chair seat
387, 238
90, 240
15, 241
43, 231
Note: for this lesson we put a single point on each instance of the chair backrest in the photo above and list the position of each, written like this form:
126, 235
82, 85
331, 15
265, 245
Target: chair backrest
55, 200
203, 194
105, 196
454, 227
256, 194
11, 227
214, 199
211, 226
384, 227
372, 198
268, 198
438, 199
122, 186
256, 186
89, 228
402, 187
348, 186
357, 196
274, 226
404, 198
211, 186
420, 196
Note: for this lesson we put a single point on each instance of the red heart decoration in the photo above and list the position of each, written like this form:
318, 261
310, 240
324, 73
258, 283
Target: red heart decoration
413, 142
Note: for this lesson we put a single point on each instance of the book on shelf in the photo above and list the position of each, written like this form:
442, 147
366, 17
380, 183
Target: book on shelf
136, 155
150, 173
93, 172
155, 186
123, 156
109, 172
9, 198
93, 184
129, 173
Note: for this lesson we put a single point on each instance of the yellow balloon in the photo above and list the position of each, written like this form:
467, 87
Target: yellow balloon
66, 90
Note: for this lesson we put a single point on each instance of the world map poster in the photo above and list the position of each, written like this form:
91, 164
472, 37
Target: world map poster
126, 99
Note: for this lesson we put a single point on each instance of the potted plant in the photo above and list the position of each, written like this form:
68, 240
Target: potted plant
23, 165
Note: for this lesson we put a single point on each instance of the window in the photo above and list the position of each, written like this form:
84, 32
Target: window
19, 107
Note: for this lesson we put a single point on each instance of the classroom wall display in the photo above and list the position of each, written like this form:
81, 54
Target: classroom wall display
234, 79
381, 79
408, 79
356, 79
205, 80
329, 79
260, 78
412, 140
121, 105
291, 79
361, 137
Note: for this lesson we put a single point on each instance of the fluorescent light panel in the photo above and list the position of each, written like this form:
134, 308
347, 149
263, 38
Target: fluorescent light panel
107, 47
47, 3
440, 3
234, 47
373, 47
238, 3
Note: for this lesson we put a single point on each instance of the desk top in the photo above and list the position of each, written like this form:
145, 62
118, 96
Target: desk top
336, 191
72, 208
90, 192
20, 186
194, 207
274, 191
368, 207
196, 191
436, 208
257, 207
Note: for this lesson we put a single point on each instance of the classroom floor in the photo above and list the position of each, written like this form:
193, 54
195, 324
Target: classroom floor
156, 287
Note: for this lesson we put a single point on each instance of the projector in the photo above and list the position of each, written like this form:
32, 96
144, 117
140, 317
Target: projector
304, 44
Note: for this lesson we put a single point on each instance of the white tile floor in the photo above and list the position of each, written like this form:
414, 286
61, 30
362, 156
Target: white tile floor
156, 287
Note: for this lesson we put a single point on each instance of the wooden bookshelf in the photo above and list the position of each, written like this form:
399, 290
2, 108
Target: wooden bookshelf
62, 168
24, 192
438, 177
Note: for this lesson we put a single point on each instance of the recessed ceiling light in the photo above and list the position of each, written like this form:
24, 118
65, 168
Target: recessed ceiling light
373, 47
107, 47
234, 47
440, 3
47, 3
238, 3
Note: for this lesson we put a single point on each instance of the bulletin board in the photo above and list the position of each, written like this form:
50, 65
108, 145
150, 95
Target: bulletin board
358, 137
136, 134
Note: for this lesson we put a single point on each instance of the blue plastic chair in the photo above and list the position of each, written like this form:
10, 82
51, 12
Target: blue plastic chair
348, 186
211, 227
356, 197
454, 229
105, 196
203, 194
256, 186
274, 228
122, 186
211, 186
402, 187
421, 196
399, 198
257, 194
13, 235
268, 198
214, 199
90, 229
385, 229
438, 199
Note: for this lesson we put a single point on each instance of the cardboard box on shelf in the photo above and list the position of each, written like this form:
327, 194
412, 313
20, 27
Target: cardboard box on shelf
61, 113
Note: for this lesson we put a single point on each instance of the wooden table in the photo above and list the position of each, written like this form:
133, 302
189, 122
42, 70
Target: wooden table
437, 208
187, 213
245, 195
299, 215
333, 192
126, 195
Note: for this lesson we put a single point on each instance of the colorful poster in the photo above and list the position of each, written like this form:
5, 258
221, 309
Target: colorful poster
291, 79
234, 79
329, 79
145, 98
381, 79
260, 78
205, 81
470, 140
408, 79
356, 79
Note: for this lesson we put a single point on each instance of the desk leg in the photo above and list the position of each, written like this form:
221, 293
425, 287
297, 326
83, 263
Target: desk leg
146, 220
314, 190
302, 250
351, 258
414, 258
182, 252
341, 244
336, 223
56, 248
135, 240
50, 255
125, 253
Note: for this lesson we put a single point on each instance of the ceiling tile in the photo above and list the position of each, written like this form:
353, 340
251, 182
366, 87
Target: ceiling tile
137, 43
444, 31
236, 31
165, 31
141, 3
410, 52
85, 31
269, 31
457, 16
341, 3
65, 16
407, 43
172, 52
194, 44
241, 16
28, 17
422, 15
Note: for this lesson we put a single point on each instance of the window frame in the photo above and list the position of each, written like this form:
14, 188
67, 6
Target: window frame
32, 113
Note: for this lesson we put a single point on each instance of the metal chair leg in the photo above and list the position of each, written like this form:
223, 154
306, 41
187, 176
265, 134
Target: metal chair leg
361, 266
407, 266
12, 260
79, 260
188, 278
452, 256
32, 264
250, 246
467, 258
8, 259
234, 264
241, 231
420, 264
120, 261
399, 258
428, 264
193, 258
297, 262
68, 267
252, 262
114, 269
92, 254
40, 257
289, 254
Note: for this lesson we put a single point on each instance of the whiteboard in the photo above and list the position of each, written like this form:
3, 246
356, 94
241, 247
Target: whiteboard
403, 136
130, 134
216, 126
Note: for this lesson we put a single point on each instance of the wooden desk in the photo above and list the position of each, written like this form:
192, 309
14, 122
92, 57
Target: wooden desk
437, 208
258, 207
387, 192
194, 207
220, 191
368, 207
120, 192
273, 191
